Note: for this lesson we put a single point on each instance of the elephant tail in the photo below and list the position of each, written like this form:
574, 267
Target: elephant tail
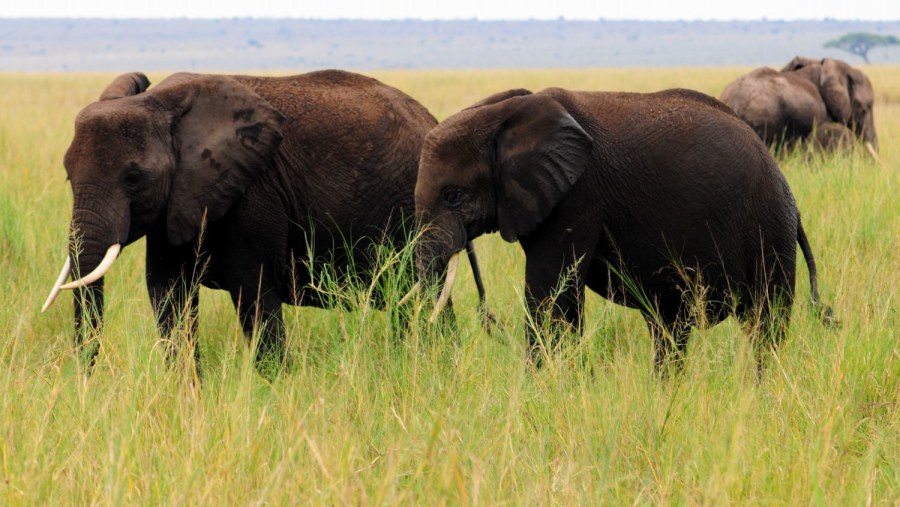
825, 312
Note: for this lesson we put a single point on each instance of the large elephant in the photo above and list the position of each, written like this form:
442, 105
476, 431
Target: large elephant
653, 201
281, 174
804, 97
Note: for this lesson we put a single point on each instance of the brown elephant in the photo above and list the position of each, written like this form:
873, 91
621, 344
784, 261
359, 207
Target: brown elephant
804, 97
653, 201
282, 174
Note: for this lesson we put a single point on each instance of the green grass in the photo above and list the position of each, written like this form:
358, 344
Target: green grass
450, 417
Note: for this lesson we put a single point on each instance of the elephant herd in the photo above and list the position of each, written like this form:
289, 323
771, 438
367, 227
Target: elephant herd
824, 101
254, 185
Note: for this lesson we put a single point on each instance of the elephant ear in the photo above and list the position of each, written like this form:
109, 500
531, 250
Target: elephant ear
860, 86
126, 85
225, 136
834, 85
540, 151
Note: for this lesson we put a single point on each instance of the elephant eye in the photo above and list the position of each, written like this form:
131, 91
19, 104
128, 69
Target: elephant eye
452, 196
133, 177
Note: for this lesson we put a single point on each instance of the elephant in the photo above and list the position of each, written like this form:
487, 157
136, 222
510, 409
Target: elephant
246, 184
804, 98
653, 201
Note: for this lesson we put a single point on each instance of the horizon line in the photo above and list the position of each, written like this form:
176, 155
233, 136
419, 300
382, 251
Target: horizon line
469, 19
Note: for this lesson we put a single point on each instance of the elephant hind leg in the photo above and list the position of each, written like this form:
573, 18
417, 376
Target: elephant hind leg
766, 316
766, 326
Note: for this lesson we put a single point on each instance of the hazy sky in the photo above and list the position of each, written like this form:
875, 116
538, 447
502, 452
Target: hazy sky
450, 9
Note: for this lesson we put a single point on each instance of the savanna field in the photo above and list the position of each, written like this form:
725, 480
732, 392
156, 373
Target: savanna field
367, 415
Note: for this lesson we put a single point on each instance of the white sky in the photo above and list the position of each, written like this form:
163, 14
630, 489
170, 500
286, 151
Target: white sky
456, 9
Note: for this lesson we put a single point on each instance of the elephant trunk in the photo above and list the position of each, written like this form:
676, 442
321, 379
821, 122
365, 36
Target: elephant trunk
436, 265
872, 140
870, 137
96, 238
864, 127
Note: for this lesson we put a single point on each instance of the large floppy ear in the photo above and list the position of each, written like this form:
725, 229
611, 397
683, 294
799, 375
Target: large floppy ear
540, 152
860, 86
126, 85
225, 136
834, 85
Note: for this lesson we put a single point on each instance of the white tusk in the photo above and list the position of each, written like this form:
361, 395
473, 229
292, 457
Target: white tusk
67, 267
871, 150
409, 295
448, 287
99, 271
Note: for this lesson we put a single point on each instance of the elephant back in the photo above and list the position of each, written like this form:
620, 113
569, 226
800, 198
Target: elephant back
350, 153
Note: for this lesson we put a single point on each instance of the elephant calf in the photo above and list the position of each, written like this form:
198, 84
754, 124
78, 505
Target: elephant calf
256, 163
820, 100
654, 201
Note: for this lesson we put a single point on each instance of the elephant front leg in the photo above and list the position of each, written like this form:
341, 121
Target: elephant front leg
261, 318
554, 295
176, 307
173, 284
88, 321
554, 310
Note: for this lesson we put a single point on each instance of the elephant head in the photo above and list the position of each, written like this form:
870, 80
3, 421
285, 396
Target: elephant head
502, 164
164, 159
846, 91
849, 96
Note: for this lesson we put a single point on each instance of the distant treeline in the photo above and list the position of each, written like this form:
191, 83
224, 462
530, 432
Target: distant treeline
298, 44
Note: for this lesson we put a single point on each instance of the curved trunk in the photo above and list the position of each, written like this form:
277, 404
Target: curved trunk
96, 227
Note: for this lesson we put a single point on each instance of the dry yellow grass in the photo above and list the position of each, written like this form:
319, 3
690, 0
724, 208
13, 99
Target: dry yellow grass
450, 418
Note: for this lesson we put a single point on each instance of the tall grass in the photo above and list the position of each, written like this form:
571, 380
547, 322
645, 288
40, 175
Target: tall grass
450, 415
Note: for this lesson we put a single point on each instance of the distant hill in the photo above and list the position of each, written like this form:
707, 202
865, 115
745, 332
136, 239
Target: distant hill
298, 44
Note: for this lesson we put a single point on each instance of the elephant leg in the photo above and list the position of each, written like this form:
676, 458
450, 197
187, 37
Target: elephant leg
553, 311
767, 316
554, 294
173, 278
88, 321
768, 327
261, 317
670, 338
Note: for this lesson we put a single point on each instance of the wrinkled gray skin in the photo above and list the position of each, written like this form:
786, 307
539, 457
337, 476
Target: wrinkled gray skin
649, 200
803, 97
262, 160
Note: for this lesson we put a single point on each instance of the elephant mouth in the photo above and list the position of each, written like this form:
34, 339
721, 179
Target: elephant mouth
452, 266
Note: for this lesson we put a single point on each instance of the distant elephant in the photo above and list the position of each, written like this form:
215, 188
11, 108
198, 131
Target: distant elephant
653, 201
255, 163
806, 96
